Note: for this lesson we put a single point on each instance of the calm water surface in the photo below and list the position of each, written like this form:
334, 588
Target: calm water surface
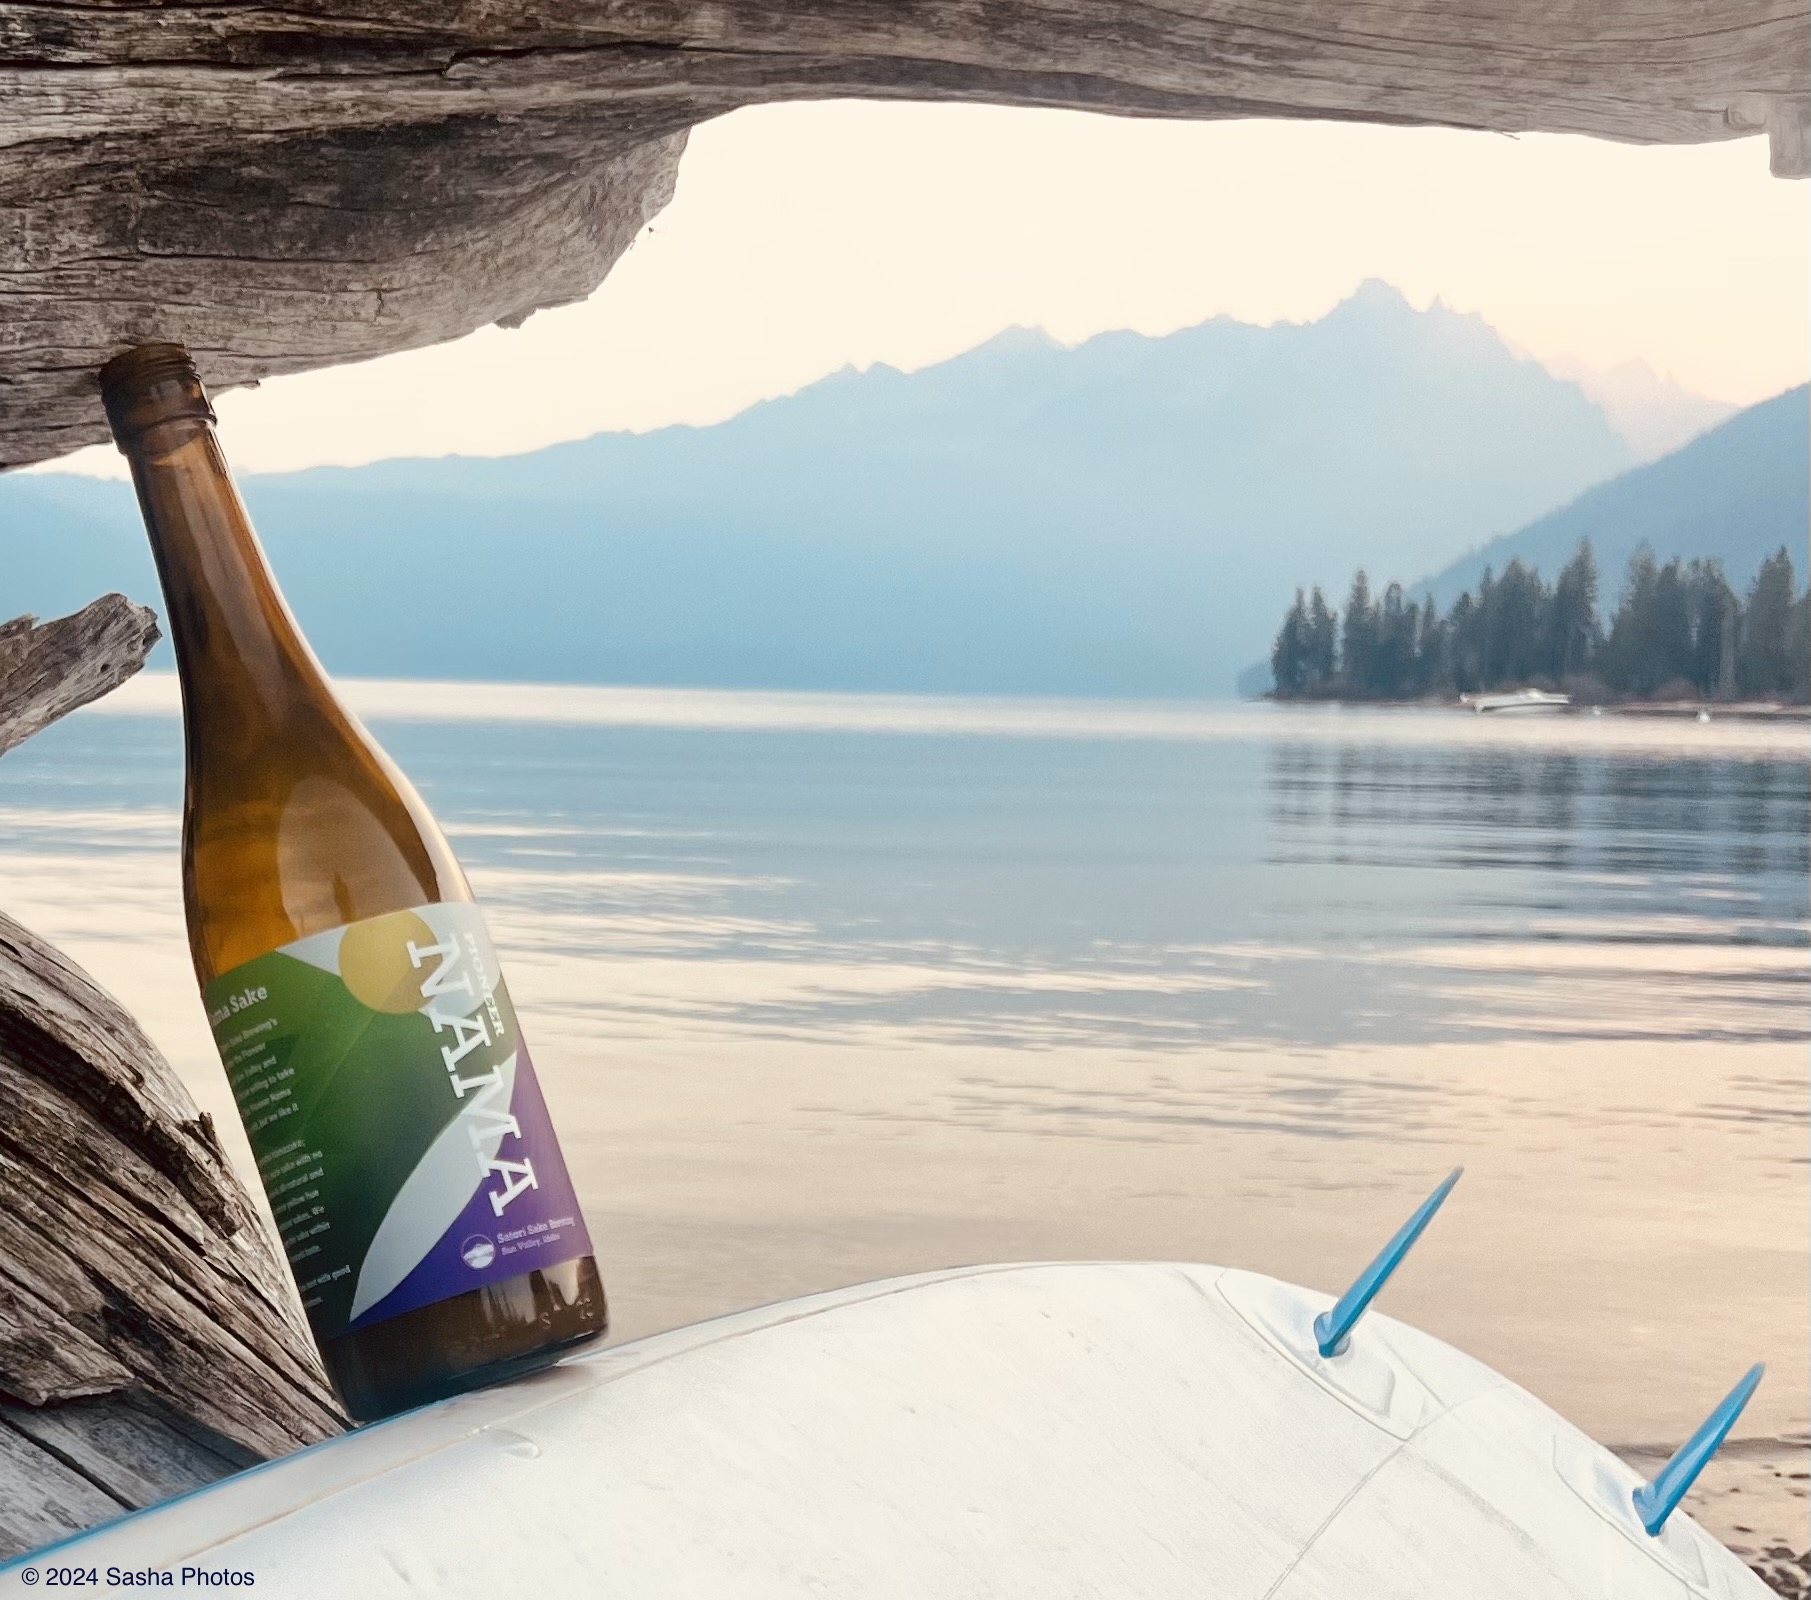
825, 988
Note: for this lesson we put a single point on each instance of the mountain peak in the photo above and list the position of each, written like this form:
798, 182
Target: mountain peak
1376, 296
1654, 413
1126, 517
1018, 339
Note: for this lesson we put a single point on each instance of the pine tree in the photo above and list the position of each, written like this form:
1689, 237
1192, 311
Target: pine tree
1358, 643
1395, 645
1465, 644
1798, 650
1432, 668
1671, 658
1519, 624
1764, 664
1289, 655
1677, 629
1574, 633
1627, 656
1651, 638
1484, 629
1323, 644
1714, 611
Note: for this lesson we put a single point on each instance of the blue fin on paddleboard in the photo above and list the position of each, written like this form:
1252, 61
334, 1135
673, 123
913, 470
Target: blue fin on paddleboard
1655, 1502
1331, 1328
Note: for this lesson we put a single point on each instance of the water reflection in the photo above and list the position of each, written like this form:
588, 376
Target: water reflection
757, 869
825, 988
1615, 895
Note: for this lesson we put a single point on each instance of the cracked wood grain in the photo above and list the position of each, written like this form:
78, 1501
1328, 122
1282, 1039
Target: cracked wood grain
287, 187
49, 669
150, 1340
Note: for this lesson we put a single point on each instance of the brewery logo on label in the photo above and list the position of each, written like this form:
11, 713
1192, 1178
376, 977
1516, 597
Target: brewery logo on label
395, 1115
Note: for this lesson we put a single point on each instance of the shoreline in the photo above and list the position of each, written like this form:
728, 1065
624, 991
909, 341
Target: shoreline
1684, 710
1753, 1499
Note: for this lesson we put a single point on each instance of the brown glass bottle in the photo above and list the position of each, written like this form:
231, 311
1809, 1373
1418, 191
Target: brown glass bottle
296, 823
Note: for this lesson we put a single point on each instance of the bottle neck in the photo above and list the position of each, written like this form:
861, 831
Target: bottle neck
232, 631
294, 822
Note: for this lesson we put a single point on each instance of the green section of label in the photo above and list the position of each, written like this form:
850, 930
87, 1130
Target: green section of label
352, 1054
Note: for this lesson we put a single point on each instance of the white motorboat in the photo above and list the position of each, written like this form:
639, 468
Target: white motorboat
1517, 701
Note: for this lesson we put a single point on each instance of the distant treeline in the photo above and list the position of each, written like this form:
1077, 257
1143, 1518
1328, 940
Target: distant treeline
1679, 632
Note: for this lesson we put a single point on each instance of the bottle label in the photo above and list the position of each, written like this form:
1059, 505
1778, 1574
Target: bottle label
394, 1115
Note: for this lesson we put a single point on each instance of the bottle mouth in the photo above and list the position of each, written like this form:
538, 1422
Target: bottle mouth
151, 384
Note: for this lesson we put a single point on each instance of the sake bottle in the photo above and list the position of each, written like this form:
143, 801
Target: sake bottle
353, 992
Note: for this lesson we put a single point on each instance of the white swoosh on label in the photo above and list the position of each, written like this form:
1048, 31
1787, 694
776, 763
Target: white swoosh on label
434, 1194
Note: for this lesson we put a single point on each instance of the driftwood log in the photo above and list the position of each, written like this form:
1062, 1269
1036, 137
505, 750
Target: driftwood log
149, 1337
286, 187
49, 669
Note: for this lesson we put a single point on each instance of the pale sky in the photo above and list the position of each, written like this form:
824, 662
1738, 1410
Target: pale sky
805, 238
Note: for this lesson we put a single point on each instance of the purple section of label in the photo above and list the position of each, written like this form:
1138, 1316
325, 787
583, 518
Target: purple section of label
536, 1227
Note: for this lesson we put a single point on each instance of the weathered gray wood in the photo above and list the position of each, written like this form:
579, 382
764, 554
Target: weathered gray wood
48, 669
41, 1499
125, 1231
285, 188
131, 1449
149, 1336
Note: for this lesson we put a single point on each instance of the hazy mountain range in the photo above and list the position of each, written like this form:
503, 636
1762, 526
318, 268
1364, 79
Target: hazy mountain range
1126, 517
1738, 492
1654, 415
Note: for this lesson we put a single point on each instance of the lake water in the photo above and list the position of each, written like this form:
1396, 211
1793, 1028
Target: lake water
827, 988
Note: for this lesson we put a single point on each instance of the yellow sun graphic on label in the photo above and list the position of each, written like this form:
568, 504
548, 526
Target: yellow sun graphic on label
375, 964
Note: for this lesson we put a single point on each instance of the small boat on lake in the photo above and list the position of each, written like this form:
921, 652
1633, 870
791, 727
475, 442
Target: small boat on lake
1517, 701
